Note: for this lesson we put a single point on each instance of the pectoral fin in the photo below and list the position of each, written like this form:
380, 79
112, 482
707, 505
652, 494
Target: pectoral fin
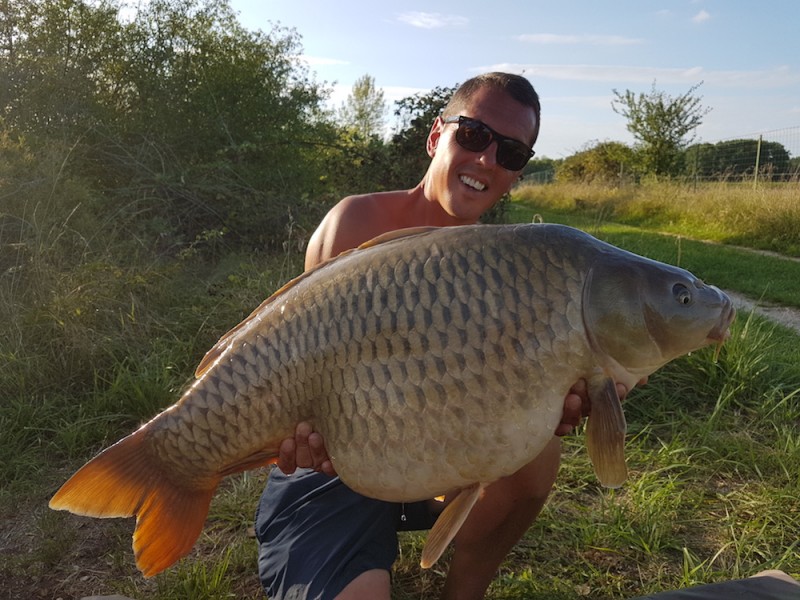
448, 524
605, 433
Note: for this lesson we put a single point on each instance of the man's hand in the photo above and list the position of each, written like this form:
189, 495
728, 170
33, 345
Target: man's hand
577, 405
305, 450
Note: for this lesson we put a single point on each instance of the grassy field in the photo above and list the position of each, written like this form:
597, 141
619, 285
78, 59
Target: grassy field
92, 345
736, 214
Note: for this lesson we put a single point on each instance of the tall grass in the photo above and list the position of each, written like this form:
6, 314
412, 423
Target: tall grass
99, 329
765, 217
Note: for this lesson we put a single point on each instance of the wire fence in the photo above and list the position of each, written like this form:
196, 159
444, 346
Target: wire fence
765, 156
768, 156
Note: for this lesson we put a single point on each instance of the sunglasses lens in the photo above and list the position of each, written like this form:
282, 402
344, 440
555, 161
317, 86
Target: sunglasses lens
512, 155
473, 135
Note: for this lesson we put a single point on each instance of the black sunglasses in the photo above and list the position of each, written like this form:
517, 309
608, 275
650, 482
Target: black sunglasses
475, 136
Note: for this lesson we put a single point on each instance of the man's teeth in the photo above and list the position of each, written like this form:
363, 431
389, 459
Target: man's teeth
473, 183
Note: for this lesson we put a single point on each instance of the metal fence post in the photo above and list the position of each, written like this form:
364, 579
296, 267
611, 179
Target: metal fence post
758, 160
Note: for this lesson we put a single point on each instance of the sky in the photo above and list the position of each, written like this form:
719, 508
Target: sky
745, 55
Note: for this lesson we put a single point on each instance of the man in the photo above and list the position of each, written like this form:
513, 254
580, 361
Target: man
318, 539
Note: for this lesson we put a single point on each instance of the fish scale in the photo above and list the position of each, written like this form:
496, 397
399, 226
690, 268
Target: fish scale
429, 361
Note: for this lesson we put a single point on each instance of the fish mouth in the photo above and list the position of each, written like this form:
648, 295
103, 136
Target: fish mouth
721, 331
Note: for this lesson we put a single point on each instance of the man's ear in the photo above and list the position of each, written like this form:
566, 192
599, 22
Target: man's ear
434, 135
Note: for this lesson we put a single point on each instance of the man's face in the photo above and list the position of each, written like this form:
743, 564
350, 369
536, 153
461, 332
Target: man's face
466, 184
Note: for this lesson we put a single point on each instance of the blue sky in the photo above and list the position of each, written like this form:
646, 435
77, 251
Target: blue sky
747, 54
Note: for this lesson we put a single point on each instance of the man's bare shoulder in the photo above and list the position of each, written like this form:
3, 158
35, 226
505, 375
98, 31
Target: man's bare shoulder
366, 216
355, 220
380, 204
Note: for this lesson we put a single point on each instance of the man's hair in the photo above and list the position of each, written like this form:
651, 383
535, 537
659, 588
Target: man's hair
516, 86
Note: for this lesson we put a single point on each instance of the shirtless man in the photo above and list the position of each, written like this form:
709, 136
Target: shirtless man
318, 539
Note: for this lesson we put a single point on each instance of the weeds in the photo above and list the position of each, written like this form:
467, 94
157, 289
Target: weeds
98, 333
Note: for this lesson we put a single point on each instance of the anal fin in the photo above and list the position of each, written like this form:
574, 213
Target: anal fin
448, 524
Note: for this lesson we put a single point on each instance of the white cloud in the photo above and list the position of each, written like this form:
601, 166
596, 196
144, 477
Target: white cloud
592, 40
322, 61
701, 17
426, 20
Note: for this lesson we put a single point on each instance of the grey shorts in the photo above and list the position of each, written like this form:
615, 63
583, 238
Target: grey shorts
316, 535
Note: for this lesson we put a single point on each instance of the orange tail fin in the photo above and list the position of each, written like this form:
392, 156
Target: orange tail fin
123, 481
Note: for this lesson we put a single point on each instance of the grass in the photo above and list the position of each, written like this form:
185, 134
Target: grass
764, 217
755, 274
95, 337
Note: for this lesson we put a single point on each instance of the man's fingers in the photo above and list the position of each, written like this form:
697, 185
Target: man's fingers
304, 457
327, 468
316, 446
286, 456
571, 417
306, 450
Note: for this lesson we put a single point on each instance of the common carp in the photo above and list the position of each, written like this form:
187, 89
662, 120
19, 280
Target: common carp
430, 360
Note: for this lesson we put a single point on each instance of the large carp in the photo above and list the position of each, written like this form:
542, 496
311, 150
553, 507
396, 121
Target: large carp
430, 360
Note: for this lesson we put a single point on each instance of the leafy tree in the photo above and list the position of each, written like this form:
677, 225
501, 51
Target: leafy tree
416, 114
794, 168
661, 124
187, 121
540, 170
57, 64
365, 109
737, 158
604, 161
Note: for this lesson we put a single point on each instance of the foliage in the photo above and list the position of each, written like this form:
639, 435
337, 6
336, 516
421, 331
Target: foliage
159, 175
603, 162
186, 121
661, 125
365, 108
738, 158
540, 170
416, 115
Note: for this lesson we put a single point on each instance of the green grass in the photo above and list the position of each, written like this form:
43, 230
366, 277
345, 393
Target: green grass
714, 467
94, 342
756, 275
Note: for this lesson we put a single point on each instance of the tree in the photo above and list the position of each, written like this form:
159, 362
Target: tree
602, 161
540, 170
661, 124
737, 159
416, 115
365, 109
56, 61
187, 121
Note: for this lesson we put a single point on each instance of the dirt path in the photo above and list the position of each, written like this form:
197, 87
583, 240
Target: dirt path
785, 315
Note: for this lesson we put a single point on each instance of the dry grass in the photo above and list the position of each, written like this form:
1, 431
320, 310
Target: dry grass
765, 217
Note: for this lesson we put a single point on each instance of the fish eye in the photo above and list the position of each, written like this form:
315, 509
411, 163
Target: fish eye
682, 293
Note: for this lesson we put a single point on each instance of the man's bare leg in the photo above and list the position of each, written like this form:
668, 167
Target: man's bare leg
370, 585
498, 521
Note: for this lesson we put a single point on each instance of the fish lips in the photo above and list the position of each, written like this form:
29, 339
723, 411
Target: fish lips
721, 330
